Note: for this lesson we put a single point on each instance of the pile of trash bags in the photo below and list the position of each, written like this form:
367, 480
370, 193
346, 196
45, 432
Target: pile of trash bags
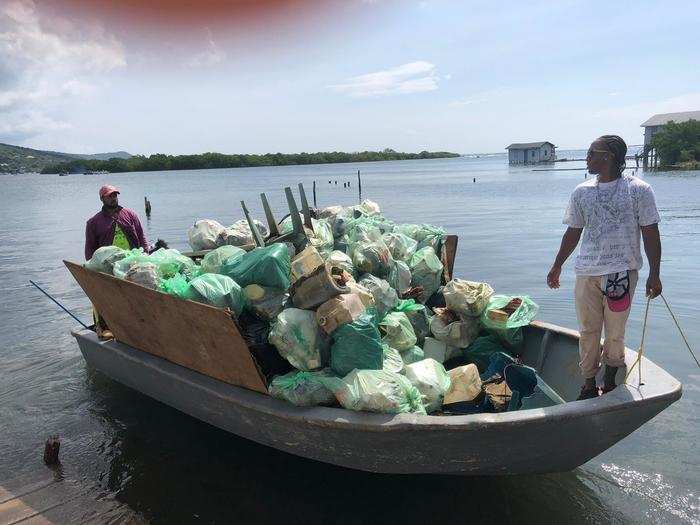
385, 334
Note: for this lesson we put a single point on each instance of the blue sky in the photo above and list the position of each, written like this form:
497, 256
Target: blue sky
410, 75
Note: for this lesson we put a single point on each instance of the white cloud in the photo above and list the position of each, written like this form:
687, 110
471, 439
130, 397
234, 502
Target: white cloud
413, 77
210, 57
21, 125
40, 67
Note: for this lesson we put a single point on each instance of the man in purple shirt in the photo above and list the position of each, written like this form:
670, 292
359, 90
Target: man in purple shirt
113, 225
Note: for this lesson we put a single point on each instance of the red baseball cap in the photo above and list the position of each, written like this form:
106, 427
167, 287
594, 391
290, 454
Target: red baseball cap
108, 189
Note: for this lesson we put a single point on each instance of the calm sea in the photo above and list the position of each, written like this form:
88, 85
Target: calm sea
171, 468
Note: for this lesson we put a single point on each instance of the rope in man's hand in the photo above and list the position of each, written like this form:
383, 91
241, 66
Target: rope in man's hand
640, 352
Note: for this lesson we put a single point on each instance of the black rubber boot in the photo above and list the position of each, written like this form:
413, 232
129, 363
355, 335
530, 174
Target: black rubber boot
609, 378
587, 393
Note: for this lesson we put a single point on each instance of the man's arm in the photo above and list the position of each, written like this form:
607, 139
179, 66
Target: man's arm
652, 247
90, 244
569, 241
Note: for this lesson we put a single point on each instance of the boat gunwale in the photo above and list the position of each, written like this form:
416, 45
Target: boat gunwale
341, 418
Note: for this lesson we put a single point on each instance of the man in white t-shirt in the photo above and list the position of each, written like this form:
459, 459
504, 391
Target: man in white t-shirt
609, 211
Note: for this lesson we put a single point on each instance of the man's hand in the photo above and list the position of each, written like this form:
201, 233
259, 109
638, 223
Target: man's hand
553, 277
654, 287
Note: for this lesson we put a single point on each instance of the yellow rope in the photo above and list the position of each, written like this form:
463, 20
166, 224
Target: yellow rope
640, 351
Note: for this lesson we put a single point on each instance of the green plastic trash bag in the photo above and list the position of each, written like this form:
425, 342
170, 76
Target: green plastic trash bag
432, 381
179, 286
481, 350
269, 266
266, 303
104, 258
467, 297
459, 333
356, 345
213, 261
522, 316
418, 315
298, 338
322, 237
132, 257
413, 355
342, 260
204, 234
399, 276
510, 332
219, 290
397, 331
303, 389
393, 362
371, 257
511, 338
368, 208
145, 274
426, 271
401, 246
385, 297
425, 234
378, 391
171, 261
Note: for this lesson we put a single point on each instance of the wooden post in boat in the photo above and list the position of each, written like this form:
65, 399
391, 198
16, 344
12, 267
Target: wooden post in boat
305, 206
259, 241
359, 186
293, 211
271, 222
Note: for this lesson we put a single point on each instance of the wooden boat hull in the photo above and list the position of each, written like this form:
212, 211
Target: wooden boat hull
556, 438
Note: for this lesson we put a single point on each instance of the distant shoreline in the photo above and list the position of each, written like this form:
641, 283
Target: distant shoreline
161, 162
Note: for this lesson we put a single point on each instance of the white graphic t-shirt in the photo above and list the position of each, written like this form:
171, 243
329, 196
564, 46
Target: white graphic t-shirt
610, 214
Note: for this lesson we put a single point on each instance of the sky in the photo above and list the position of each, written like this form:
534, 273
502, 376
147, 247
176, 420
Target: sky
234, 76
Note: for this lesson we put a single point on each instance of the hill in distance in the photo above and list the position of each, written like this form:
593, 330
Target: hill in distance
17, 159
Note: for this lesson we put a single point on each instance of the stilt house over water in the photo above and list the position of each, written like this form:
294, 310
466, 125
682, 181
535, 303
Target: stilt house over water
531, 153
653, 125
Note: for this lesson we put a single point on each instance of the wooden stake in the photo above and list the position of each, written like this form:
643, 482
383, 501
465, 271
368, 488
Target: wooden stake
51, 449
359, 186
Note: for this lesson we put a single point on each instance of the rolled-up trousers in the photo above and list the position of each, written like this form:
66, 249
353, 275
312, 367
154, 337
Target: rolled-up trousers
594, 316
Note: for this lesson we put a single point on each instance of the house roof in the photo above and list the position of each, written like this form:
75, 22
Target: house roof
529, 145
665, 118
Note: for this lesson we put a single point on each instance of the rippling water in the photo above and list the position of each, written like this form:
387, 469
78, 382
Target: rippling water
171, 468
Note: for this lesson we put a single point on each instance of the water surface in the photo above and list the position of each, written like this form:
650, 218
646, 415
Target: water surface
172, 468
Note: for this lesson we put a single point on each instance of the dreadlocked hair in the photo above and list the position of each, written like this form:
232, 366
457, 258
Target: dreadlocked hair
619, 150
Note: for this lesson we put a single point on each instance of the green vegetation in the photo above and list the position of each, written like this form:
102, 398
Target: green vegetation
16, 159
160, 162
679, 144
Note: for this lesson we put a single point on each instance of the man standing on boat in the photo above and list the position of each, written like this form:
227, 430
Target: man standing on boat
113, 225
610, 211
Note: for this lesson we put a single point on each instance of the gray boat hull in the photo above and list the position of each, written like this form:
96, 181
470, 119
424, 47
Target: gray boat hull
556, 438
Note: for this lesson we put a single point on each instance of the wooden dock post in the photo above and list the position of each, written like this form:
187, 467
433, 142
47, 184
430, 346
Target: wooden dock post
51, 450
147, 205
359, 186
314, 190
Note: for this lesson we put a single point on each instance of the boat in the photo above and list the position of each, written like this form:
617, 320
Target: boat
539, 440
198, 359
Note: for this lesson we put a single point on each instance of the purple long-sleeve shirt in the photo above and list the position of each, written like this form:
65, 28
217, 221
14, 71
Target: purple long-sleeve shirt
99, 230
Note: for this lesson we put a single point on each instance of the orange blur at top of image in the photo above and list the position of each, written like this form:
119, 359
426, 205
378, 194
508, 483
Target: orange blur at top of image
180, 14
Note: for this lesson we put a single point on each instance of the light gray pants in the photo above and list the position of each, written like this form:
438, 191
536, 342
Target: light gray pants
594, 315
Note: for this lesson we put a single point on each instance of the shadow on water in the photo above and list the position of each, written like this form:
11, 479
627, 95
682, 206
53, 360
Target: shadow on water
170, 468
